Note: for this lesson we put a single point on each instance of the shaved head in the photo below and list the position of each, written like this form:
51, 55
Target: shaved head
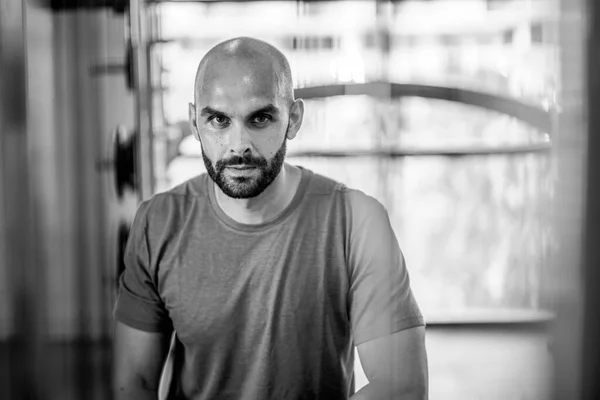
249, 59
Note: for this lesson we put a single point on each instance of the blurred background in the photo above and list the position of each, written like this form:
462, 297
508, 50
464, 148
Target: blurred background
470, 120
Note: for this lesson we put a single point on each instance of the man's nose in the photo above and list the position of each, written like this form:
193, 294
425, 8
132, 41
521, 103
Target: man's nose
240, 142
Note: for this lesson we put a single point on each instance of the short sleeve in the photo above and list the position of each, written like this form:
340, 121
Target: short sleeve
380, 297
139, 304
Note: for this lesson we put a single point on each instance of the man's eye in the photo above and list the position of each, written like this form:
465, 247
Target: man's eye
218, 119
262, 119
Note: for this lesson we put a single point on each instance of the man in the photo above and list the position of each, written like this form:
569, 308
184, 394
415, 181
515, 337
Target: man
268, 274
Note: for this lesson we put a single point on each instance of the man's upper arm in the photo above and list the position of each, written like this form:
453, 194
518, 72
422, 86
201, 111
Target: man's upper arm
397, 362
139, 304
143, 327
380, 298
139, 357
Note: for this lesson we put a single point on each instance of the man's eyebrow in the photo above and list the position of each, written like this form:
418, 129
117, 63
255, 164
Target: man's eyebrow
268, 109
208, 110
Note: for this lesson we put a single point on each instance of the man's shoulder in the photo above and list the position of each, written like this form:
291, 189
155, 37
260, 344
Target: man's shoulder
362, 207
324, 185
175, 199
359, 203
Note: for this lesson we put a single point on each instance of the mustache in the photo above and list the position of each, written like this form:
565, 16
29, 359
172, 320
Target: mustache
241, 160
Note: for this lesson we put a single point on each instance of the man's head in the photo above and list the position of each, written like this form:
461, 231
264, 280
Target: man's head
244, 113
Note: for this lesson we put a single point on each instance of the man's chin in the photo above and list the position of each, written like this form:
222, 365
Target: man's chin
240, 187
241, 193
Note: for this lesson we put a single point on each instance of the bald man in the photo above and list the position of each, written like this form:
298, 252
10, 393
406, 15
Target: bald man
268, 274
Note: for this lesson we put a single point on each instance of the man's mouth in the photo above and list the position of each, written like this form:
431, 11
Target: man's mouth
241, 167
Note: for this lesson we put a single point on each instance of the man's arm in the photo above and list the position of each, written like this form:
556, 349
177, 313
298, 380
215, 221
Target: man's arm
396, 367
387, 324
138, 361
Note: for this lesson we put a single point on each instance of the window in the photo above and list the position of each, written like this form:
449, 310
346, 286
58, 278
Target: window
468, 187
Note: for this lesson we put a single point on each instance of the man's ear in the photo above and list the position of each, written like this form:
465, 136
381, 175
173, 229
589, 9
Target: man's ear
193, 121
296, 118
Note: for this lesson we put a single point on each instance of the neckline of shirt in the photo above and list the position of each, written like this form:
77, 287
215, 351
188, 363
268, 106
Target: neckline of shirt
305, 178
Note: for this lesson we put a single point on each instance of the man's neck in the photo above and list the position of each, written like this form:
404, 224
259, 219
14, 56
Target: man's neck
265, 206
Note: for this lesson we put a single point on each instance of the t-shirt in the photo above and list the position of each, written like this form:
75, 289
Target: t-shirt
270, 311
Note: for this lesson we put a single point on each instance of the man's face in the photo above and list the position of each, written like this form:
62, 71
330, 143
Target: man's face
247, 176
242, 124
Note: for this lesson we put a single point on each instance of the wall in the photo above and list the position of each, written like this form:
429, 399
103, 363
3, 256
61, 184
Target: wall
570, 143
70, 118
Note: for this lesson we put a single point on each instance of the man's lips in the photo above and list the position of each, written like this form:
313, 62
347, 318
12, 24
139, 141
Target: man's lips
241, 167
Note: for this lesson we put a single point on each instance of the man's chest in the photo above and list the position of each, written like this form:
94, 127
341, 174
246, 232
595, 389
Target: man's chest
268, 284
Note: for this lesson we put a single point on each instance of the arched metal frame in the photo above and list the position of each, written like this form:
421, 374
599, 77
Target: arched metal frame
536, 117
532, 115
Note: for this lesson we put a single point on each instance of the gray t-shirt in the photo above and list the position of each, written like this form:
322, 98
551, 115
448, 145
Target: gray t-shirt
269, 311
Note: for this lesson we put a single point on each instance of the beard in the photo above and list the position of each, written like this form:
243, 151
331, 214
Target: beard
242, 187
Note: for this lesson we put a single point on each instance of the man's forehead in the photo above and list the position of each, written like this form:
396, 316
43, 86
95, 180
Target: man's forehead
233, 85
231, 88
239, 93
